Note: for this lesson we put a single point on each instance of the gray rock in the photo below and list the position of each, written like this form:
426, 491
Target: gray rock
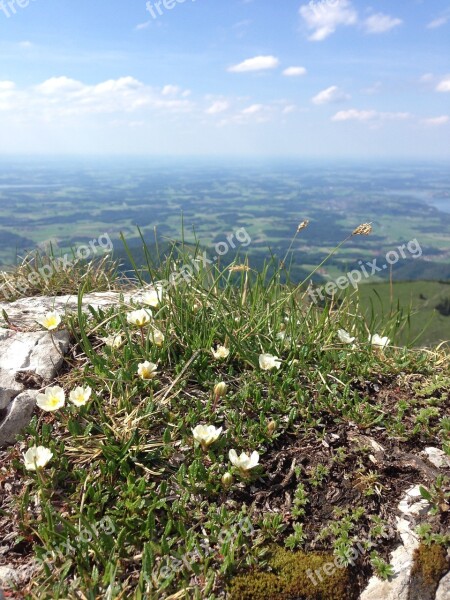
37, 352
9, 387
11, 576
18, 415
7, 576
401, 559
437, 457
47, 355
443, 591
26, 349
25, 311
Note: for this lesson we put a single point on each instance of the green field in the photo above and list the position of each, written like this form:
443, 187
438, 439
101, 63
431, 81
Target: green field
427, 326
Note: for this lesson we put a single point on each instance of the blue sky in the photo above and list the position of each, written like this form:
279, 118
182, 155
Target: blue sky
319, 79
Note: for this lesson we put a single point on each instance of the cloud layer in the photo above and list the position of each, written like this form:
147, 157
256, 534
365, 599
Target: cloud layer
324, 17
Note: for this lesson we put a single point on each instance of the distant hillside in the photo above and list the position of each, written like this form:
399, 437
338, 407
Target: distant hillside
429, 302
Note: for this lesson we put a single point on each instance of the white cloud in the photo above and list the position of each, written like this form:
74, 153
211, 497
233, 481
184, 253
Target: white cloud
290, 108
258, 63
444, 85
253, 109
170, 90
252, 114
61, 85
26, 44
436, 121
426, 77
369, 115
7, 86
63, 96
439, 22
294, 71
218, 107
330, 96
381, 23
324, 17
8, 95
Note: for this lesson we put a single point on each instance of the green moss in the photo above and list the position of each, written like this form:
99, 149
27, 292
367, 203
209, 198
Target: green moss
296, 576
430, 564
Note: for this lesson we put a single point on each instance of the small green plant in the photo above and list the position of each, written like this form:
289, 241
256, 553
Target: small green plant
318, 475
426, 534
424, 417
379, 527
296, 539
300, 501
438, 495
383, 569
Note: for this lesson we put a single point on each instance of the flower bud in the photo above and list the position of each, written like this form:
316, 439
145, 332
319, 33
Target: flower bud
227, 480
271, 426
220, 389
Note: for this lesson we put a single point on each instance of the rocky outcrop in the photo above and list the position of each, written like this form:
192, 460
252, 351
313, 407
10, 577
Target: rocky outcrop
31, 358
443, 592
400, 587
23, 312
23, 356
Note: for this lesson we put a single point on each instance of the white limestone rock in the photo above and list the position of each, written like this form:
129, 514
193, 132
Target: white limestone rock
437, 457
443, 591
24, 311
401, 559
25, 348
18, 415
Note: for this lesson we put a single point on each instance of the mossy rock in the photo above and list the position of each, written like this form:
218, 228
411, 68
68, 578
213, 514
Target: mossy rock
296, 576
429, 566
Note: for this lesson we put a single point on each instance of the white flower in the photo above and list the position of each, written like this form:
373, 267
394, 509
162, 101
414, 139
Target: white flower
345, 337
139, 317
244, 462
114, 340
50, 321
220, 353
79, 396
52, 399
153, 297
267, 362
206, 435
147, 370
157, 337
377, 340
36, 457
